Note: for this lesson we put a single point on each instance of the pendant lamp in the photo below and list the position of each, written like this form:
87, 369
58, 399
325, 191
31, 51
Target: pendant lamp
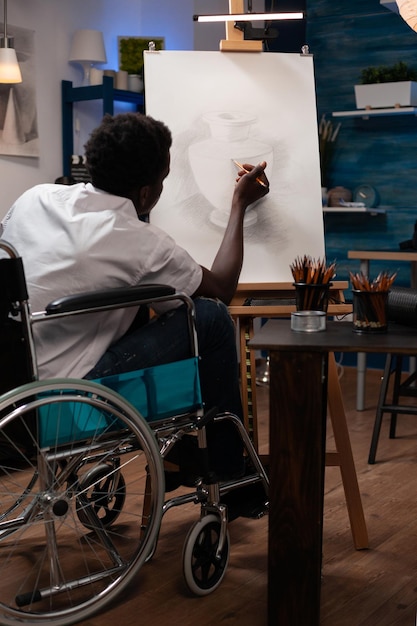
9, 67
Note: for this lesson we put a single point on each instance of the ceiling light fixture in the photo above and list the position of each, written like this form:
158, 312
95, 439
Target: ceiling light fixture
249, 17
9, 67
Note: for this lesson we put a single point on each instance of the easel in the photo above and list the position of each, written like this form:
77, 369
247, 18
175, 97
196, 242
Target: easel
278, 300
269, 300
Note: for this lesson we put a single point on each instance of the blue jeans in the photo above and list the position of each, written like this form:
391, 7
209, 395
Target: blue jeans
165, 339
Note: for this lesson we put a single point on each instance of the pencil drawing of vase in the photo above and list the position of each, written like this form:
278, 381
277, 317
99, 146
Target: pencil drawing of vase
211, 160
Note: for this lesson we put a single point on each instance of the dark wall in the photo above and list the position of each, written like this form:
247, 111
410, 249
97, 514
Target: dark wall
345, 37
290, 36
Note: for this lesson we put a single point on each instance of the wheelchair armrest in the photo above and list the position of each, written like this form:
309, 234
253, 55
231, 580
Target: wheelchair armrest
109, 297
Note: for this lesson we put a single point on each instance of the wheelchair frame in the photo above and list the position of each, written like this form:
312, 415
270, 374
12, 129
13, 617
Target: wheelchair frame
99, 490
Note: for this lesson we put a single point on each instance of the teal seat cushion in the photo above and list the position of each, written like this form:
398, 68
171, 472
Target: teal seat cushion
156, 392
161, 391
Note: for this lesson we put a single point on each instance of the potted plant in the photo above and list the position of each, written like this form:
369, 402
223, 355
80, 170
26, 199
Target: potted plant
131, 51
387, 86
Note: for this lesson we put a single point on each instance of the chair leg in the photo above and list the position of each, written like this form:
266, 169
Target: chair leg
396, 394
344, 458
379, 412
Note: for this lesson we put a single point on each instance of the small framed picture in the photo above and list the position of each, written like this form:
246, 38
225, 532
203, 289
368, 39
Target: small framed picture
131, 52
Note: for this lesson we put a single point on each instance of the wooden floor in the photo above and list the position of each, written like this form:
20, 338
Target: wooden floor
375, 587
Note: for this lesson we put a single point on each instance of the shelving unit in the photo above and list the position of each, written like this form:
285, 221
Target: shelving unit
105, 92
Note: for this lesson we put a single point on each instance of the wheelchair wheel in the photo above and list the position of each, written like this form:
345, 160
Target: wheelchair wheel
77, 515
203, 572
105, 489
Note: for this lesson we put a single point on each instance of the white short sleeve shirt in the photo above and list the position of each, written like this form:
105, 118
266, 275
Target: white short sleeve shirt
75, 239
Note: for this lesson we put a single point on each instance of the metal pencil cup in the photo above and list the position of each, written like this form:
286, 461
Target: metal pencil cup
370, 311
311, 296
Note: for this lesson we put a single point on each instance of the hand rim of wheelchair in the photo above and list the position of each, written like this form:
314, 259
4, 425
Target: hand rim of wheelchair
15, 405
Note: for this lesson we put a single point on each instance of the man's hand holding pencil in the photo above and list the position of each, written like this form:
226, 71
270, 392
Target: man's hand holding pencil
252, 181
245, 169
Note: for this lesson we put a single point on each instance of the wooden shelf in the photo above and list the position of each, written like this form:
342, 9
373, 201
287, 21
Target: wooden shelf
367, 113
369, 211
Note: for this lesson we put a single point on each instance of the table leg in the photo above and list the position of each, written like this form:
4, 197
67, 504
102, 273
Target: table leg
298, 403
361, 358
360, 381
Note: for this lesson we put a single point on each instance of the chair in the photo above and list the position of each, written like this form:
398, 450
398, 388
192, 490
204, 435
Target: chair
401, 309
82, 467
400, 389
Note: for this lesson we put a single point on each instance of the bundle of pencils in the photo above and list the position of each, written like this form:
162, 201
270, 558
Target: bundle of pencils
312, 282
370, 301
382, 282
308, 270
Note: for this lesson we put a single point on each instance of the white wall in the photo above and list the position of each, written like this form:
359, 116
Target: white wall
53, 23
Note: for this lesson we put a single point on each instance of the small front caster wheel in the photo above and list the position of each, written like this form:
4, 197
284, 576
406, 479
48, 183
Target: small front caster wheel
203, 572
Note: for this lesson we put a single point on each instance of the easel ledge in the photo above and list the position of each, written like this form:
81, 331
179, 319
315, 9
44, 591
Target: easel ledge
276, 297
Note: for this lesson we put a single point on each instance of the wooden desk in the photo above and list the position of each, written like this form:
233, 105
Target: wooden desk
365, 257
298, 399
278, 300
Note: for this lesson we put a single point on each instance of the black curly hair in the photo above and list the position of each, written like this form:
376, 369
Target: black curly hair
126, 152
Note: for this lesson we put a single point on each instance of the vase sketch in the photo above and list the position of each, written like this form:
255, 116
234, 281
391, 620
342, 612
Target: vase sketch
13, 133
211, 160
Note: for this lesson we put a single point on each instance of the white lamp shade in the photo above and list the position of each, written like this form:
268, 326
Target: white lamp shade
88, 45
408, 11
9, 67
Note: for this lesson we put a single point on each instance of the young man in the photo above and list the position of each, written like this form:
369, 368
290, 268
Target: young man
92, 236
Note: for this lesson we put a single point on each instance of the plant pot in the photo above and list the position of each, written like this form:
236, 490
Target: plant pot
135, 83
386, 95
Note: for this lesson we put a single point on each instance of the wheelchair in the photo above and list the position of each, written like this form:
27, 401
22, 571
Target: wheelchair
82, 474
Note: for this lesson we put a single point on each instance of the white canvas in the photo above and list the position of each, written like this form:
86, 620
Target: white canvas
250, 107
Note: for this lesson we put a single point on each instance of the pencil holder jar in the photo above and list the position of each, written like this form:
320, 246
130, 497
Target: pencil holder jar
370, 311
311, 296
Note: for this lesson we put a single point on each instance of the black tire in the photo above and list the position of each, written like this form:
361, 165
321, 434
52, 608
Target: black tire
105, 489
203, 572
